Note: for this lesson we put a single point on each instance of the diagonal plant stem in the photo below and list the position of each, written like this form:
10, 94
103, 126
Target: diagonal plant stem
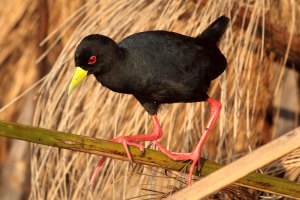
245, 165
149, 157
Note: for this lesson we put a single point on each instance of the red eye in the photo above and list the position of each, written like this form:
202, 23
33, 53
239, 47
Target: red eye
92, 60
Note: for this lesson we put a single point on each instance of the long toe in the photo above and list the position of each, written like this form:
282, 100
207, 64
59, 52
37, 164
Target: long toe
199, 164
141, 147
125, 141
96, 171
193, 156
173, 155
191, 170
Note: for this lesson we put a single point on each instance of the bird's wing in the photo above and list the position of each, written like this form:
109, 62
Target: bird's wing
166, 64
164, 54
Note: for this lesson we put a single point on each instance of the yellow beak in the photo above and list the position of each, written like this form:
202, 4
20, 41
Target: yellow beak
79, 75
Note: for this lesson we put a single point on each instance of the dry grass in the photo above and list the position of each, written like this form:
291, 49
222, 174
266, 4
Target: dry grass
246, 91
16, 46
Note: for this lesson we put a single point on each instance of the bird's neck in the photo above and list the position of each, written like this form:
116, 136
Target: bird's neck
115, 61
113, 75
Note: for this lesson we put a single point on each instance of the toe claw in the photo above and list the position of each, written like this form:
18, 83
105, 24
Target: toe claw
142, 154
142, 148
150, 144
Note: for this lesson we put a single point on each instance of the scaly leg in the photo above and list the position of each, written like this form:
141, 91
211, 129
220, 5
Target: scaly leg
215, 108
131, 140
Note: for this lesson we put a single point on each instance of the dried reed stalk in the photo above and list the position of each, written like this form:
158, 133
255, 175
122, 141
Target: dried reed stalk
245, 90
243, 166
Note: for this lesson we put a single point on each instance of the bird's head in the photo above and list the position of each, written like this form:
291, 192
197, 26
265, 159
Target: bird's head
93, 55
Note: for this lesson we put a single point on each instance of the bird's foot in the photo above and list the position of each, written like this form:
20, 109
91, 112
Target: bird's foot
125, 140
132, 140
194, 156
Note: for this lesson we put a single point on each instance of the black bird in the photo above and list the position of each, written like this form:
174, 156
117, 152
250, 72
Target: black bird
156, 67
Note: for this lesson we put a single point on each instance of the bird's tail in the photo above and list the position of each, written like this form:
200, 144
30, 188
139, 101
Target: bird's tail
214, 31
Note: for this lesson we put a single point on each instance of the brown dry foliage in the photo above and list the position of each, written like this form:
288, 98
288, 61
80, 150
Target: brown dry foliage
246, 90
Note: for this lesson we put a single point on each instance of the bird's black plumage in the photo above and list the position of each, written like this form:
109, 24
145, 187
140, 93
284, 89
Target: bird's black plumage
157, 67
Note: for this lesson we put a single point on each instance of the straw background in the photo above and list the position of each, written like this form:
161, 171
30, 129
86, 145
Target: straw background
259, 92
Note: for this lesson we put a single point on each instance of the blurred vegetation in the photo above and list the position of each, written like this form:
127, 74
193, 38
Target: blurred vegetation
259, 91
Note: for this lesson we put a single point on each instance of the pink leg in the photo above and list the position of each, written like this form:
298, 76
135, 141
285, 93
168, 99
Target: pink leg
130, 140
215, 108
96, 171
